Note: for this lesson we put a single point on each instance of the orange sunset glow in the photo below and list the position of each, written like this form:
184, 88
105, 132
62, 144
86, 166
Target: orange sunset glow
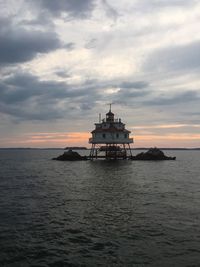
45, 140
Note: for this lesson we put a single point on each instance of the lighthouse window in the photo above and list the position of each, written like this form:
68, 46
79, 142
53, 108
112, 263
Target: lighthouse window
125, 135
104, 135
117, 135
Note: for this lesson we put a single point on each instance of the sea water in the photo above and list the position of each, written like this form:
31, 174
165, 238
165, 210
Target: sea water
99, 213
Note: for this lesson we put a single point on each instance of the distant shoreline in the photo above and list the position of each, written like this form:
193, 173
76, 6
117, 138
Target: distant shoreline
85, 148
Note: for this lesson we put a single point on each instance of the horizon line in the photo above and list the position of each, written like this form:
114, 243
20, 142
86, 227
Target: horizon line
86, 148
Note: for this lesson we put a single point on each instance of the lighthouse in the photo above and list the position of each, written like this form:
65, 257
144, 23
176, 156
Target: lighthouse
110, 139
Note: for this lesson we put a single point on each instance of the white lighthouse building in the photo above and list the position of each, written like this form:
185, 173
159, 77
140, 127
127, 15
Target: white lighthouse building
110, 139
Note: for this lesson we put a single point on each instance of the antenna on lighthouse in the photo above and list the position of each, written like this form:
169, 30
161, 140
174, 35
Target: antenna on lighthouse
110, 104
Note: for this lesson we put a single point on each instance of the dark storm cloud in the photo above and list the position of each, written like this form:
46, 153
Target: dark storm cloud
62, 74
178, 98
129, 90
125, 95
25, 97
128, 97
32, 111
20, 45
21, 87
136, 85
74, 8
180, 58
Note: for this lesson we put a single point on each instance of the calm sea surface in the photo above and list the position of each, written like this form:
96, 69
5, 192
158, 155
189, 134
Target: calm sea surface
124, 213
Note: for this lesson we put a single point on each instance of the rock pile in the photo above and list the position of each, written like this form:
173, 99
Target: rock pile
152, 154
70, 156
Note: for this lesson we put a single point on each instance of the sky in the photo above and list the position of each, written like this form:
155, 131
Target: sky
62, 62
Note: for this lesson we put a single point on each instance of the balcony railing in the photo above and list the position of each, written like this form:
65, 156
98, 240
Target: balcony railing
98, 140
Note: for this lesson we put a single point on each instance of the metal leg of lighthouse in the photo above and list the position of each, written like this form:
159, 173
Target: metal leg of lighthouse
106, 152
90, 156
92, 151
125, 155
130, 150
96, 153
115, 154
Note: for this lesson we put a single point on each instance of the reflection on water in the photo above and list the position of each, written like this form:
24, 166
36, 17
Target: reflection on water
117, 213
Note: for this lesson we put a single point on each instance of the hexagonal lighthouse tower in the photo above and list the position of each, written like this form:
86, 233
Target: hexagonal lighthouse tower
110, 139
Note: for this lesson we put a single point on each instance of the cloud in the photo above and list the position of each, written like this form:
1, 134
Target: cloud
121, 92
26, 97
129, 90
134, 85
20, 45
110, 11
157, 4
31, 112
177, 98
91, 43
62, 73
174, 58
69, 46
23, 86
74, 8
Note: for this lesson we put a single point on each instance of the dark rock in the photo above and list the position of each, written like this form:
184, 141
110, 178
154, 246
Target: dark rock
152, 154
70, 156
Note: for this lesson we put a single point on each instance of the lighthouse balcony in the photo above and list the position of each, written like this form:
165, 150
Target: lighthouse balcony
98, 140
